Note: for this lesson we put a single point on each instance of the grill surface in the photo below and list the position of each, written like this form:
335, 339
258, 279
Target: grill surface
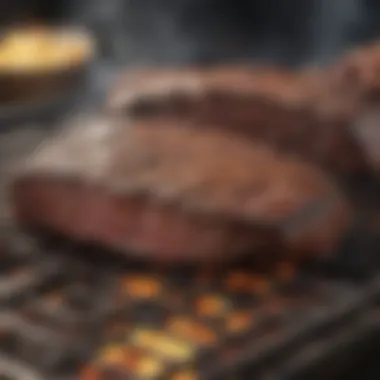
66, 315
63, 312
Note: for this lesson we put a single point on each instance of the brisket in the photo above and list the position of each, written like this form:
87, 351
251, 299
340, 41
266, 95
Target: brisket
176, 193
292, 112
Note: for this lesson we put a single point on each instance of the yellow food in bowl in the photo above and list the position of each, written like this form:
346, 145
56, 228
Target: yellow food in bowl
43, 50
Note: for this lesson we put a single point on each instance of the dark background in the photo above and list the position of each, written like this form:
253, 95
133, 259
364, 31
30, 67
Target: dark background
187, 31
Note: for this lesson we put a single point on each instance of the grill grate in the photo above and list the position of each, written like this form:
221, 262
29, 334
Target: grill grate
64, 315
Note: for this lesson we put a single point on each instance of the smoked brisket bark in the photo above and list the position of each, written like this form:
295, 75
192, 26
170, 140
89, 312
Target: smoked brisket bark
293, 112
177, 193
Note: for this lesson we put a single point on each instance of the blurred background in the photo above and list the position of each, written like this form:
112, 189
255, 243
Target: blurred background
182, 31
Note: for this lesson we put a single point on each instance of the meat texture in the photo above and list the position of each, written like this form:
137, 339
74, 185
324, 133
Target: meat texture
356, 78
357, 74
177, 194
294, 112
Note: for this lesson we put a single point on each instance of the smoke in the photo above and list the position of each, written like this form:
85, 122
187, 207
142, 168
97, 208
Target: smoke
336, 24
177, 32
138, 32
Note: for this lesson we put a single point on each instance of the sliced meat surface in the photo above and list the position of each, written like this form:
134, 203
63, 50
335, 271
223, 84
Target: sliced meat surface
177, 193
292, 112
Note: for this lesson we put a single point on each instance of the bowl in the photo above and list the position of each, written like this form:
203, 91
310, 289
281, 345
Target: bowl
39, 64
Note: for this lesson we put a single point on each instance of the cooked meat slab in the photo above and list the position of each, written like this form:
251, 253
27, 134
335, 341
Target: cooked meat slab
293, 112
176, 193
